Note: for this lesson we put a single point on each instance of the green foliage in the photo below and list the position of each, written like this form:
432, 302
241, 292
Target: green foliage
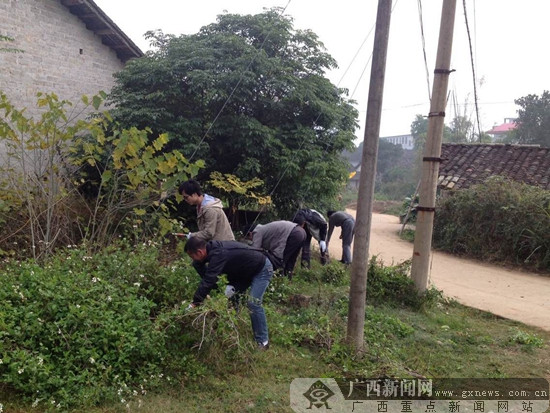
244, 90
68, 179
500, 220
334, 273
78, 330
526, 339
8, 49
533, 120
392, 286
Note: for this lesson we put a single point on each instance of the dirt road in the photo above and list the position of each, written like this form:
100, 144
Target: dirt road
511, 294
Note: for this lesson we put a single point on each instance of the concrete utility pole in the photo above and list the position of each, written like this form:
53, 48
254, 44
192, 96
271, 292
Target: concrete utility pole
359, 267
432, 150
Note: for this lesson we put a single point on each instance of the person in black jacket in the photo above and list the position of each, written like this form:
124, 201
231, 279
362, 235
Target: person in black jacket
315, 226
245, 268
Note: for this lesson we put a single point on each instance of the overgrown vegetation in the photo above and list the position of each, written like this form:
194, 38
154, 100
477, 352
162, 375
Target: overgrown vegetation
242, 90
500, 220
110, 329
65, 179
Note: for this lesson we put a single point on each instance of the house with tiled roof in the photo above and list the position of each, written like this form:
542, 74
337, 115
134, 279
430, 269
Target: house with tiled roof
69, 47
500, 132
464, 165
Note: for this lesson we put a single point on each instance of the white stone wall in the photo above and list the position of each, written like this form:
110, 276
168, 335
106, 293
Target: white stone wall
60, 54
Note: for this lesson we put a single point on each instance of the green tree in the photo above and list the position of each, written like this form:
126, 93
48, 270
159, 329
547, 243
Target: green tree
533, 120
461, 130
248, 94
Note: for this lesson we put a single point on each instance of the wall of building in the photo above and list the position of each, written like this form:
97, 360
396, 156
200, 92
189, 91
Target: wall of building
60, 54
406, 141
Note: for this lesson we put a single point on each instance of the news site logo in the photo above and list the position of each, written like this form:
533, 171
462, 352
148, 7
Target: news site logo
318, 394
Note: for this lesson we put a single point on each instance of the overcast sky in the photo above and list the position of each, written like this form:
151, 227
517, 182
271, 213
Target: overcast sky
509, 41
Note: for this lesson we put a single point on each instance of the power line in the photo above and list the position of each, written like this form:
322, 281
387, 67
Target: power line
473, 68
424, 48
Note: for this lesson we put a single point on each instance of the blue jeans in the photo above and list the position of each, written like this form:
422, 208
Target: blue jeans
254, 302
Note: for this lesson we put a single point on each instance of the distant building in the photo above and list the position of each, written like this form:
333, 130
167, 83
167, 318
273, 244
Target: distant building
500, 132
406, 141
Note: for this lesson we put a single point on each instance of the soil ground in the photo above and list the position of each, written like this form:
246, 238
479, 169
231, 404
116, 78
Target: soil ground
509, 293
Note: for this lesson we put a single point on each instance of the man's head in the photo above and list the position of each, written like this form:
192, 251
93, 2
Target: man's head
191, 192
195, 247
299, 219
329, 213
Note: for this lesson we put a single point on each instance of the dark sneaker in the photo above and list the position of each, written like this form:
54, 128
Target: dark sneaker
263, 347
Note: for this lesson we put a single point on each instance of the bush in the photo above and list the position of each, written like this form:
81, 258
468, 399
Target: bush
392, 286
500, 220
80, 330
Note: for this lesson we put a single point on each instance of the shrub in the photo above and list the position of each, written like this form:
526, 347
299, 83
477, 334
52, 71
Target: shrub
65, 179
393, 286
80, 329
499, 220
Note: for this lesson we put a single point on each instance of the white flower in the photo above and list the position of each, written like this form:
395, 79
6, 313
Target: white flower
109, 298
137, 284
1, 361
20, 371
35, 403
78, 306
92, 360
141, 275
122, 401
40, 361
95, 279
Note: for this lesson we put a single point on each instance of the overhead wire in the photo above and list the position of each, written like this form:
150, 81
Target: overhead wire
420, 13
473, 69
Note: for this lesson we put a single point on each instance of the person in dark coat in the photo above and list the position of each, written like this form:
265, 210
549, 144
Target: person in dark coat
246, 268
347, 222
315, 226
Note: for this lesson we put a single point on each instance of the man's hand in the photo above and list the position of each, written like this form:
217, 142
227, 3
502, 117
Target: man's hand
323, 246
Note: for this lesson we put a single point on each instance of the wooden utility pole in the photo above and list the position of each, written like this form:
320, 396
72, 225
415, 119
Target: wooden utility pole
359, 267
432, 150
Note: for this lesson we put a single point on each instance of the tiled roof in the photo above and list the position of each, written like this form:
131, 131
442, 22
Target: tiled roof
98, 22
464, 165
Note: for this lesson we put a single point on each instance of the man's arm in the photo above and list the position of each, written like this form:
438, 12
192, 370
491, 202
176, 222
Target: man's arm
330, 229
209, 230
257, 239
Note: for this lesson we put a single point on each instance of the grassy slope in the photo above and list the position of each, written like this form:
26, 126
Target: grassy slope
446, 340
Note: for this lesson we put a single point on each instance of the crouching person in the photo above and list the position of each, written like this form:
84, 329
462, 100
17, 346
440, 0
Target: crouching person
245, 268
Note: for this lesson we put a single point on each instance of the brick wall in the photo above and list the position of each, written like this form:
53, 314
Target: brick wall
60, 54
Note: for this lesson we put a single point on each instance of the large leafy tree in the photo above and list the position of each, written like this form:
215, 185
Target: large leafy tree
533, 120
248, 94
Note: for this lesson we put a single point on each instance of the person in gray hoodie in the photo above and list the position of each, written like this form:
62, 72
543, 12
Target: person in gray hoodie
282, 240
211, 219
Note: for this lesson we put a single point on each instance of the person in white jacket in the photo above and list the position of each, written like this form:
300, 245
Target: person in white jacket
211, 219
